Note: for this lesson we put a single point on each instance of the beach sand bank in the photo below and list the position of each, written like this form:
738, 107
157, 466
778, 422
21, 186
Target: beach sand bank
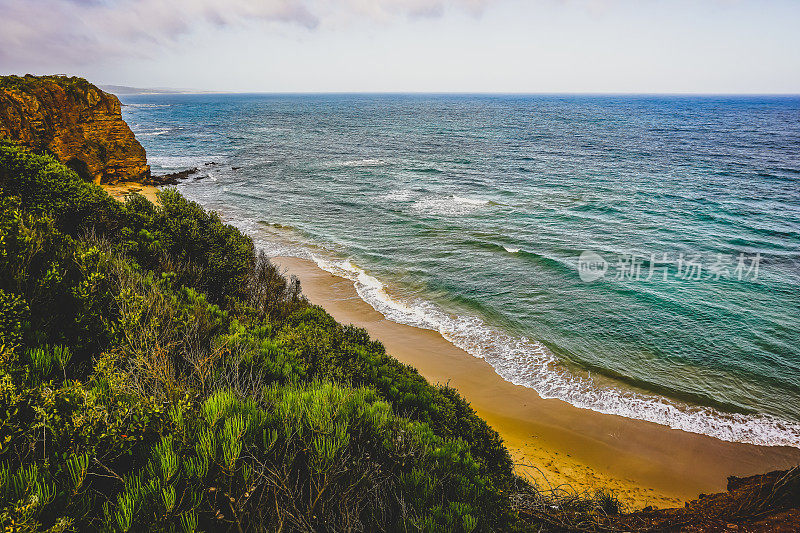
562, 445
120, 190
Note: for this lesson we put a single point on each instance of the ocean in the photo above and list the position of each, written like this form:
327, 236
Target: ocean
634, 255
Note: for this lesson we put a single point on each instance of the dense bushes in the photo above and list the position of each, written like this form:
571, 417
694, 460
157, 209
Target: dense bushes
311, 457
157, 374
346, 353
189, 235
45, 186
179, 237
70, 83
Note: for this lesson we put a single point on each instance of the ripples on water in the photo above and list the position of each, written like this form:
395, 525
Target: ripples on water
467, 214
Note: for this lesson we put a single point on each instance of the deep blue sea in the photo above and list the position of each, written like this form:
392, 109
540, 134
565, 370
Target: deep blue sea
637, 255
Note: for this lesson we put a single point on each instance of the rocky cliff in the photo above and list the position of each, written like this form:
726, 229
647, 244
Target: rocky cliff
75, 121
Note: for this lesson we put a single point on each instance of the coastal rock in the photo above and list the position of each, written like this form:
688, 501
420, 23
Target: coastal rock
75, 121
172, 178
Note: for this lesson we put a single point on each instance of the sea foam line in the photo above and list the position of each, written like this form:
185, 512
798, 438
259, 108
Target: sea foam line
529, 363
152, 133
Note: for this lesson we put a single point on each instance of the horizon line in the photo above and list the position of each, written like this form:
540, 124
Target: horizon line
167, 92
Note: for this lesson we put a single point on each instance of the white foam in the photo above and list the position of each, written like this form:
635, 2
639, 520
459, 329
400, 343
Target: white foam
398, 195
152, 133
469, 201
448, 205
529, 363
176, 161
276, 243
511, 250
363, 163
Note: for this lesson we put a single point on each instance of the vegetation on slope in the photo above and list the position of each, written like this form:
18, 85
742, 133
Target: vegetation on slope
29, 81
156, 373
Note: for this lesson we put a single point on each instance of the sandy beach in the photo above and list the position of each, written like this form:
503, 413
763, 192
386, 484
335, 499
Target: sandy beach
120, 190
554, 443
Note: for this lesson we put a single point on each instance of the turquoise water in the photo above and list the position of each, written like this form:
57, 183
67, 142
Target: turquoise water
468, 215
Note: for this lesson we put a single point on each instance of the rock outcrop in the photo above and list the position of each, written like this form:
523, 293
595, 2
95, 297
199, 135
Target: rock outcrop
76, 122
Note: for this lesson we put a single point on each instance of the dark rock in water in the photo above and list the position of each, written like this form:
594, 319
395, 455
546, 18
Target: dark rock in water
235, 168
211, 163
75, 121
172, 178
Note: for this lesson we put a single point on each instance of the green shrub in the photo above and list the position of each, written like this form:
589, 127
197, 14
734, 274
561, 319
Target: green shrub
156, 374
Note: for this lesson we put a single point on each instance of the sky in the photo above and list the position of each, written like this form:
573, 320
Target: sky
506, 46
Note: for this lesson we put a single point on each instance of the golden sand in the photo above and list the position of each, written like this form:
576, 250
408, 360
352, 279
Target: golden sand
552, 442
120, 190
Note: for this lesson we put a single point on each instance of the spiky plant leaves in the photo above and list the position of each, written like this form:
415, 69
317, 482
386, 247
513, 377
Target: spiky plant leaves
206, 445
232, 433
189, 522
41, 364
123, 515
269, 438
247, 472
77, 466
175, 414
168, 499
165, 459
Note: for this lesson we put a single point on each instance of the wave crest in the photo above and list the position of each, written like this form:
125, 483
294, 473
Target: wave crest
529, 363
448, 205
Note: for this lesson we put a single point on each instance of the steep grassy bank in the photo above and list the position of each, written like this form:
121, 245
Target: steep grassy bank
158, 374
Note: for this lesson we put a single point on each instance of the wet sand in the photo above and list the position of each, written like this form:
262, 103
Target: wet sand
562, 445
120, 190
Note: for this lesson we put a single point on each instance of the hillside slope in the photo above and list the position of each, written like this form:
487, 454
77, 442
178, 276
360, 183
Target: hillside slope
158, 374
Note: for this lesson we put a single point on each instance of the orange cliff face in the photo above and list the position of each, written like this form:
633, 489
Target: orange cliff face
76, 122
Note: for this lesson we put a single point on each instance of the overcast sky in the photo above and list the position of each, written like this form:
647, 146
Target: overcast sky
705, 46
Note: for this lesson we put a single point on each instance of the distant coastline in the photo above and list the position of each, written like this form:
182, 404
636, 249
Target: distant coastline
124, 90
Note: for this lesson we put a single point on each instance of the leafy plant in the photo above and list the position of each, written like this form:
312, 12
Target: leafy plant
156, 374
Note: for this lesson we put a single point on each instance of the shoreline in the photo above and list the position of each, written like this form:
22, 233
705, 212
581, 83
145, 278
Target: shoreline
562, 445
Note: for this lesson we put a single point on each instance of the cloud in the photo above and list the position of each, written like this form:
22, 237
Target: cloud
70, 33
388, 9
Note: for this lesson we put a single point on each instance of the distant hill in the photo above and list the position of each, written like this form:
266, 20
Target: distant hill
125, 90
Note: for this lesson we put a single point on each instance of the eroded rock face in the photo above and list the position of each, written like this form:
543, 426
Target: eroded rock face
75, 121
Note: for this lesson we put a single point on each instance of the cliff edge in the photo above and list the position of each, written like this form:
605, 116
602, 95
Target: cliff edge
75, 121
